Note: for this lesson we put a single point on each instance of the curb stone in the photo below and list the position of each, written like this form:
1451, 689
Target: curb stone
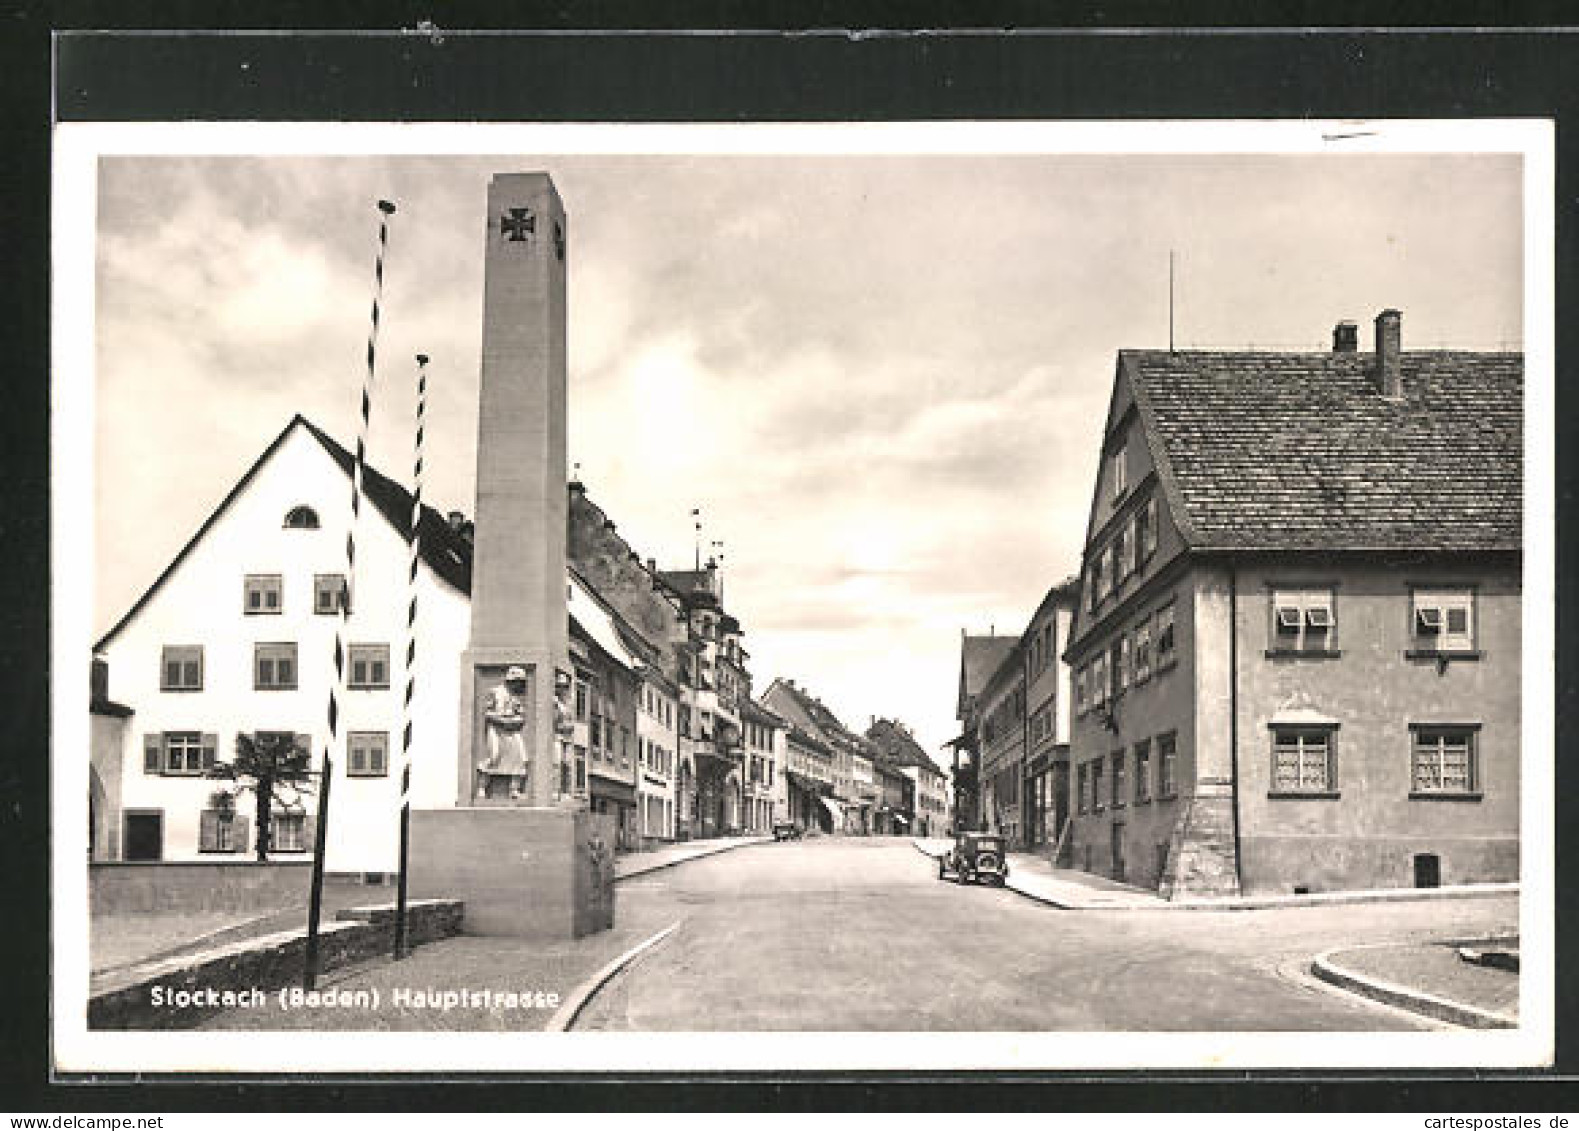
1271, 902
565, 1016
1416, 1001
715, 851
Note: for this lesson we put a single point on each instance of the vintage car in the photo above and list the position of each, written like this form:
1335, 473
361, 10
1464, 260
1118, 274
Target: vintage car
786, 830
975, 857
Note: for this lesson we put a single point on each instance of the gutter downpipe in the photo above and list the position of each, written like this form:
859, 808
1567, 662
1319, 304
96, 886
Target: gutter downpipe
1233, 710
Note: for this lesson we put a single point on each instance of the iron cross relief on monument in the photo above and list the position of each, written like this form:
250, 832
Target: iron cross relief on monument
517, 223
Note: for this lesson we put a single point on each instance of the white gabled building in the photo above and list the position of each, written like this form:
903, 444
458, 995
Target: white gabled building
236, 636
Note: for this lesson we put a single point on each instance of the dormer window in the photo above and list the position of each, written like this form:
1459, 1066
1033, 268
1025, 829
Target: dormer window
301, 518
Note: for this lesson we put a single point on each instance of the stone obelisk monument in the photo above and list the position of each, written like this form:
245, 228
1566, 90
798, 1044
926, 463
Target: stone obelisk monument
523, 852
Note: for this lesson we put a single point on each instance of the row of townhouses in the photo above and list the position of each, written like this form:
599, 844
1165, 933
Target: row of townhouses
1290, 660
881, 782
234, 642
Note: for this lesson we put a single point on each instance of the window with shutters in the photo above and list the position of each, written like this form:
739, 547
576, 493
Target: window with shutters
222, 830
262, 594
1444, 762
369, 667
1146, 533
1143, 651
1142, 771
181, 667
1304, 621
329, 593
288, 832
1167, 651
1443, 621
179, 753
367, 754
274, 667
1167, 765
1304, 761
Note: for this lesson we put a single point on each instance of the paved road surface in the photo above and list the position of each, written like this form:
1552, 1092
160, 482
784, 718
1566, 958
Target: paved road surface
858, 934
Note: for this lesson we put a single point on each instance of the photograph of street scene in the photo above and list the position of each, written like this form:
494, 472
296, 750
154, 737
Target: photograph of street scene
804, 592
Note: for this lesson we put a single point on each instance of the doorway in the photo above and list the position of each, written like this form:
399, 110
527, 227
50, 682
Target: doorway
1116, 844
1428, 870
144, 838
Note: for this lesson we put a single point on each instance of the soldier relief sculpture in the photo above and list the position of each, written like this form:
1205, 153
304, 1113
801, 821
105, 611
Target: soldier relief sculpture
504, 765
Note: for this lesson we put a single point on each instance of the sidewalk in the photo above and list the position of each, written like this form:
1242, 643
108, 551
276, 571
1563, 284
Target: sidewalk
1073, 890
121, 944
631, 864
1429, 978
1033, 877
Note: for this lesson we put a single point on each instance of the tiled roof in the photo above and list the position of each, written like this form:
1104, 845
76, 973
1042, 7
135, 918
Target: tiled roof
895, 745
1299, 450
980, 656
447, 553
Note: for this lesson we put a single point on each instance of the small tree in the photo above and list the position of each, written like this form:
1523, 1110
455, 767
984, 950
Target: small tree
275, 769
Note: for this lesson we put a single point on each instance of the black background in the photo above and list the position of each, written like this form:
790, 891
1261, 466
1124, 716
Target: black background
1018, 61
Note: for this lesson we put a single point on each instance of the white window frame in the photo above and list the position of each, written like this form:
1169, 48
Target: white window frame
1118, 471
1296, 616
1430, 741
1437, 604
1309, 743
1167, 630
1142, 660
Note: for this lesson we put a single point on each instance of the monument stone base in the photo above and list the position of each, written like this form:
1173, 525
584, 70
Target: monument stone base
537, 873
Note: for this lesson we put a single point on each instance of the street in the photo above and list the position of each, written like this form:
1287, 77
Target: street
859, 934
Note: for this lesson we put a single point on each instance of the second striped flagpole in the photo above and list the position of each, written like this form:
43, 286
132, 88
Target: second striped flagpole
415, 544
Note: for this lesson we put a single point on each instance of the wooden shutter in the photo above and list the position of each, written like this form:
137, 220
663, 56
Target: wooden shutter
210, 747
153, 753
208, 831
239, 828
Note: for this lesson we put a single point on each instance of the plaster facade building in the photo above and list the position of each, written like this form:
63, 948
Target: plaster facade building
1000, 738
809, 718
766, 799
980, 657
1048, 713
1297, 652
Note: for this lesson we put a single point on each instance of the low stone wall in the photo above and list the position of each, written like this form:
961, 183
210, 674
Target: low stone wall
178, 993
197, 885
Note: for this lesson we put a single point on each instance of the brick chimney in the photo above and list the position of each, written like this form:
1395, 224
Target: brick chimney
1389, 348
1345, 337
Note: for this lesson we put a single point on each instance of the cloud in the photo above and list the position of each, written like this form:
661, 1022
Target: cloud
883, 380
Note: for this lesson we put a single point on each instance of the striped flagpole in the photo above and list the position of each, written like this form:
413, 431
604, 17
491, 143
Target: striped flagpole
411, 660
347, 592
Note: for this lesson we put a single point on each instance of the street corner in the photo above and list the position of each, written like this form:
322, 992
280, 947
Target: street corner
1434, 979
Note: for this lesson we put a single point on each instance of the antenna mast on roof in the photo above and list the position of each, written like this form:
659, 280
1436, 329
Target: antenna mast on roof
1170, 300
696, 518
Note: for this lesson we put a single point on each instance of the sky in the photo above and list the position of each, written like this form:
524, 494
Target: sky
882, 379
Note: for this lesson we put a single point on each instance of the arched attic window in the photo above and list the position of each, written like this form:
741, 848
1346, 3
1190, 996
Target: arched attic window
301, 518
